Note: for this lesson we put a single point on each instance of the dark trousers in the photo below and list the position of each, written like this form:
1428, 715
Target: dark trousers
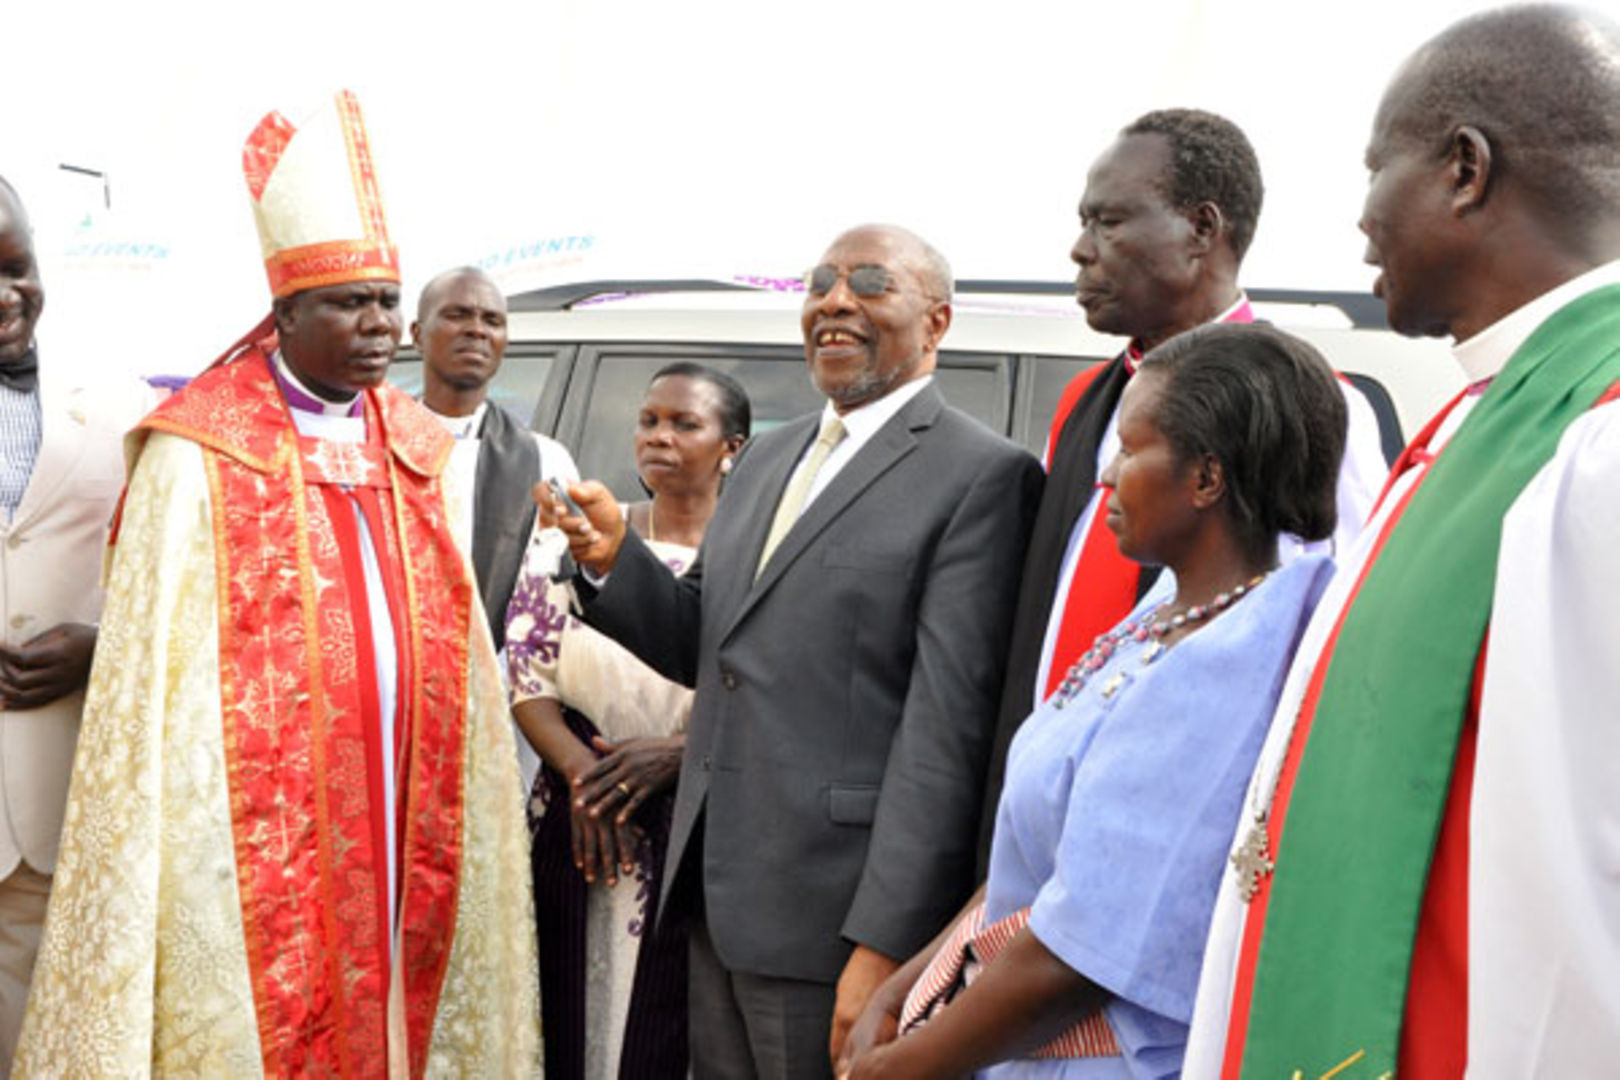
746, 1026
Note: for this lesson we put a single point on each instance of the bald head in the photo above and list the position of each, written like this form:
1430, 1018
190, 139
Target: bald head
434, 290
923, 259
13, 212
22, 297
1542, 84
13, 200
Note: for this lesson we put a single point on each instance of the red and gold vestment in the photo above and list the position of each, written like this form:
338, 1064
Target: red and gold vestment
222, 900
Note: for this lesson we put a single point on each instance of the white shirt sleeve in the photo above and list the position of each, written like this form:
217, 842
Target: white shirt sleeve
555, 460
1544, 870
1361, 477
1364, 471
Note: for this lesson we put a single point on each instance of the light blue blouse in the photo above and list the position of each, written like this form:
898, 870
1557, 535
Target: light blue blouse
1119, 809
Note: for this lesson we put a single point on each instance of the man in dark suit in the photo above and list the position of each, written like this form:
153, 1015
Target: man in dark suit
844, 628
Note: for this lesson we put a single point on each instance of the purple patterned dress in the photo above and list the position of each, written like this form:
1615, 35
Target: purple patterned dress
613, 992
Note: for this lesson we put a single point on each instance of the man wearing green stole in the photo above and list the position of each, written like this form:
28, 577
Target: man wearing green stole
1424, 880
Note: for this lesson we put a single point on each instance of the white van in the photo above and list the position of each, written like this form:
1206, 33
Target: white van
580, 356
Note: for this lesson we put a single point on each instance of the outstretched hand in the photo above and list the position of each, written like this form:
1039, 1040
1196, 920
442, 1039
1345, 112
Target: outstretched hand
595, 534
47, 667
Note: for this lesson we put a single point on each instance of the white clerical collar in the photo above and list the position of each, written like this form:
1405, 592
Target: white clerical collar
862, 423
1485, 354
301, 398
462, 427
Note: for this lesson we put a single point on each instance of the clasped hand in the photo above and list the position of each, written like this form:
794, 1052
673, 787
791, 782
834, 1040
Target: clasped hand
47, 667
605, 796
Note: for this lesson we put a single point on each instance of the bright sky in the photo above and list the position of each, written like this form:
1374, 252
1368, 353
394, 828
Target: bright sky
709, 137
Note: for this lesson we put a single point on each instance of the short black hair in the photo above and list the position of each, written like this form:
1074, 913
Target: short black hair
1267, 407
736, 414
1211, 160
1542, 83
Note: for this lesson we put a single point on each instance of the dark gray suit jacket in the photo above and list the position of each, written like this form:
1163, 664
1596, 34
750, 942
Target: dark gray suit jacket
845, 701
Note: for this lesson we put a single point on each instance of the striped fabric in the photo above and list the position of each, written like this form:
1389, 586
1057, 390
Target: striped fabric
654, 1041
20, 433
970, 946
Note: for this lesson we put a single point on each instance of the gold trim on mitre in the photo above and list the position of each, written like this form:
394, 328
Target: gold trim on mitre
316, 201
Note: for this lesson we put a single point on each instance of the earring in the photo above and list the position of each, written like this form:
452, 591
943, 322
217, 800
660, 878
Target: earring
725, 466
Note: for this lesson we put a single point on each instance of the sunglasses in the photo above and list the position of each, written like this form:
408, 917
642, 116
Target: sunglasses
866, 282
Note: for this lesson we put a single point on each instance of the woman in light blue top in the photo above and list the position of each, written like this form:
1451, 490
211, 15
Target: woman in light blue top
1123, 790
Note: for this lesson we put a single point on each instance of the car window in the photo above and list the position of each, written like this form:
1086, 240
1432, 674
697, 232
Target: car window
979, 384
1390, 439
518, 387
1040, 386
600, 424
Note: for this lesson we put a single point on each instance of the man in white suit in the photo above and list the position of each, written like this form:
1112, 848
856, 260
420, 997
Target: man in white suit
61, 468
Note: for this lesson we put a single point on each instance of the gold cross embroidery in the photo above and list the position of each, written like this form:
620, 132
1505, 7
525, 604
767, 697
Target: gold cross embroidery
341, 463
286, 836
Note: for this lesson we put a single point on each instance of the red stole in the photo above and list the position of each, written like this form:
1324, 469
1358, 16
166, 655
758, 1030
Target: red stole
299, 704
1103, 588
353, 478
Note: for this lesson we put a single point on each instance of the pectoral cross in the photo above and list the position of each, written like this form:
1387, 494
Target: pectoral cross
1250, 861
344, 464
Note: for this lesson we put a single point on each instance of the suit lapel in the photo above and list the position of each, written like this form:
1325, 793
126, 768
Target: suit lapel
760, 498
892, 442
63, 427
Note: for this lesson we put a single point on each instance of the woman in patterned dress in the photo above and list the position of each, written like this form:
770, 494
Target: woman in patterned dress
611, 733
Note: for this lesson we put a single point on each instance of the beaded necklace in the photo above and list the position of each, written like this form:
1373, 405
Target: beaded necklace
1140, 630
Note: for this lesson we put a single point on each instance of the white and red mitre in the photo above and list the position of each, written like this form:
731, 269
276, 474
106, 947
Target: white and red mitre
316, 202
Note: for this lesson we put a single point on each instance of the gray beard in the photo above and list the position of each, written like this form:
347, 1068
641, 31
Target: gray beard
868, 388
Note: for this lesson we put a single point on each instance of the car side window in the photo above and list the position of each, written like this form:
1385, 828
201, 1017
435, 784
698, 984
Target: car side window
600, 424
518, 386
979, 384
1390, 439
1041, 385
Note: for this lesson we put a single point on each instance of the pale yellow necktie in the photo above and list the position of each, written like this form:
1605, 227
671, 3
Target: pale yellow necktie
798, 489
